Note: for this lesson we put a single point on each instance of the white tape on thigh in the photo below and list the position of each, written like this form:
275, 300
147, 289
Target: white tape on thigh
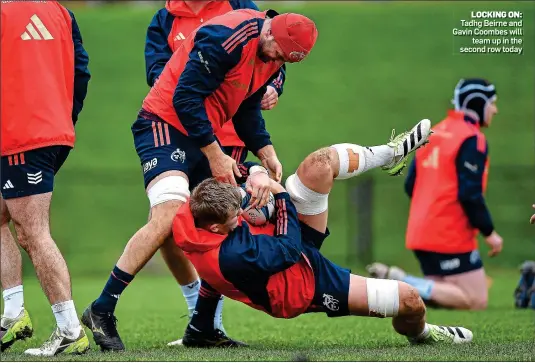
172, 187
306, 201
383, 297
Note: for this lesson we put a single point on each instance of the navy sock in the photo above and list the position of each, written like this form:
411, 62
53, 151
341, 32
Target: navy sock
115, 286
203, 316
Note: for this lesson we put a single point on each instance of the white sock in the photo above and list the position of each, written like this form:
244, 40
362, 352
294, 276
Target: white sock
425, 333
13, 301
191, 293
368, 158
66, 318
218, 319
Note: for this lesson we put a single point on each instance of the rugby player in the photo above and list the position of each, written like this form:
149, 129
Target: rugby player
278, 268
219, 73
44, 84
168, 30
446, 183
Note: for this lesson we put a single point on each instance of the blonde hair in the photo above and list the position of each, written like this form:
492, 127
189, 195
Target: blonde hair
213, 201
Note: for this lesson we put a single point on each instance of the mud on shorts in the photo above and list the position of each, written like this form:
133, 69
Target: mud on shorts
332, 281
445, 264
31, 172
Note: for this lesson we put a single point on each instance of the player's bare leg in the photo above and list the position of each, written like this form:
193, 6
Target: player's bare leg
309, 187
396, 299
30, 216
464, 291
167, 192
15, 323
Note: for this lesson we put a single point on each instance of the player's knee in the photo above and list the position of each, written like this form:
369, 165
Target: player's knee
316, 170
410, 302
384, 299
479, 303
161, 221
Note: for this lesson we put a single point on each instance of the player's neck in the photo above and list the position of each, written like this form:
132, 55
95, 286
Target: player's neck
197, 6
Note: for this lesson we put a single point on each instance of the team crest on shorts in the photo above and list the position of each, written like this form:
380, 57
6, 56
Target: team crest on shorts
330, 302
178, 155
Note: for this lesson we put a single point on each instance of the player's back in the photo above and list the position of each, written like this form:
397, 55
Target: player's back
37, 70
437, 221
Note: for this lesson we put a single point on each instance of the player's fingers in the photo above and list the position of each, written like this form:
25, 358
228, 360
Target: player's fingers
261, 198
231, 180
236, 170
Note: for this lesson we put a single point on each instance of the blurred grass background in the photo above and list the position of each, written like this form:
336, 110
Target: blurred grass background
376, 66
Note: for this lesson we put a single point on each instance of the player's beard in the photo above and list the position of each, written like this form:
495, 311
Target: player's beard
261, 45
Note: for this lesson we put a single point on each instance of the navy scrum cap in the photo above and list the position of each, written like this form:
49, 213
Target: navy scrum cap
474, 94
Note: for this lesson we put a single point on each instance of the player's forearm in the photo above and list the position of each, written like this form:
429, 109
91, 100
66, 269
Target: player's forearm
266, 152
478, 214
212, 151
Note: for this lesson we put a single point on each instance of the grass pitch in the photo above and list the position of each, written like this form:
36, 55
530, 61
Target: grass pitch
151, 309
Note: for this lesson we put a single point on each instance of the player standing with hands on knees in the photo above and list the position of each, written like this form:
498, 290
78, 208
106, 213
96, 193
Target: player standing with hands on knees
219, 73
446, 183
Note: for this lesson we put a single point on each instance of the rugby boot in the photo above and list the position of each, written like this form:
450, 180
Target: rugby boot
444, 334
216, 338
60, 343
406, 143
13, 329
104, 329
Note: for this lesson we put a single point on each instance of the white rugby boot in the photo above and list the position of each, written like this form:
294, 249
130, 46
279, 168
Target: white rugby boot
406, 143
60, 343
443, 334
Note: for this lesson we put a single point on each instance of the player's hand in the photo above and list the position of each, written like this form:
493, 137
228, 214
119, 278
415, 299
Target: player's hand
270, 99
275, 187
224, 168
258, 186
495, 243
532, 219
274, 166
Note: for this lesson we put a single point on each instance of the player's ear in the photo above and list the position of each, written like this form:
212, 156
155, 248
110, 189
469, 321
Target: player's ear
214, 228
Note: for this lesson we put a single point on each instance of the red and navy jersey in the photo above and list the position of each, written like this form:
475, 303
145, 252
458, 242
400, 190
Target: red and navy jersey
446, 182
44, 75
215, 76
171, 25
263, 267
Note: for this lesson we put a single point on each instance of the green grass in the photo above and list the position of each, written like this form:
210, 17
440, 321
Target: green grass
150, 311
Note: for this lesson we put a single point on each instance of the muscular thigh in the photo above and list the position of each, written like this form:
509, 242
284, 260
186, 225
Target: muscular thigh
30, 215
473, 283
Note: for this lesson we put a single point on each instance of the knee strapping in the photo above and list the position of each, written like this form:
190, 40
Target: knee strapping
306, 201
172, 187
383, 297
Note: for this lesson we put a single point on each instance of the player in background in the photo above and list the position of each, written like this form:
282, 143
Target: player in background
278, 268
446, 183
166, 33
219, 73
44, 84
532, 219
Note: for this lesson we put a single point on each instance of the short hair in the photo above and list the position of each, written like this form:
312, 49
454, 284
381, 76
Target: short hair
212, 202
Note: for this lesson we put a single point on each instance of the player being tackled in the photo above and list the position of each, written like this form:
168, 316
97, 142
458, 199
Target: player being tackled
278, 268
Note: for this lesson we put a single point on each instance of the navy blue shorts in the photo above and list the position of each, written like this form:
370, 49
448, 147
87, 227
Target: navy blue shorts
443, 264
332, 281
238, 153
31, 172
161, 148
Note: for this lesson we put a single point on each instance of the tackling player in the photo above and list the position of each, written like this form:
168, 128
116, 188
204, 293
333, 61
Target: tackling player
278, 268
446, 183
220, 73
167, 32
44, 84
